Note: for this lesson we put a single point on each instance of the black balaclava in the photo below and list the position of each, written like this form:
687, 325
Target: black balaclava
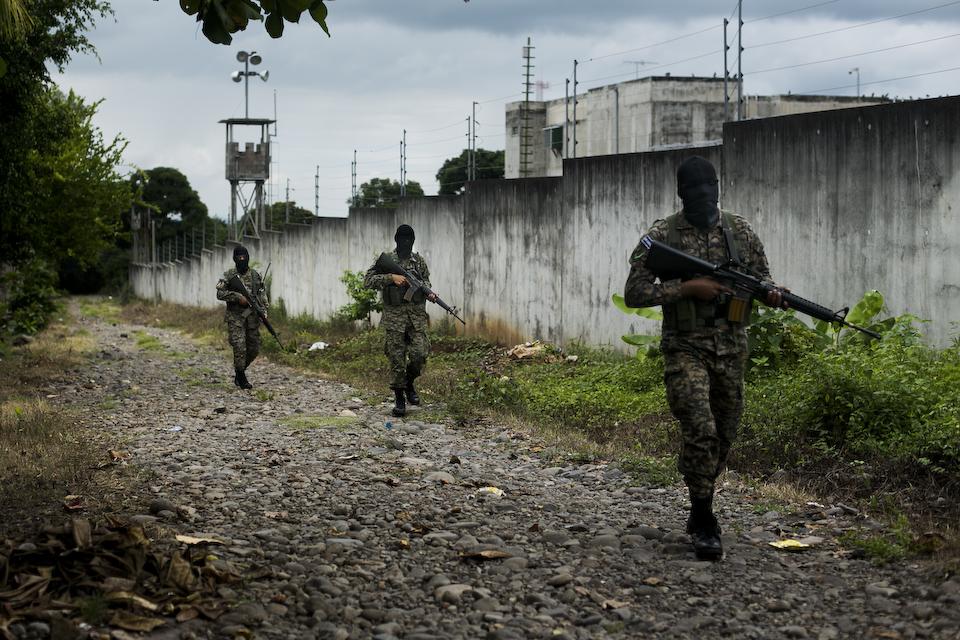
241, 258
697, 186
404, 237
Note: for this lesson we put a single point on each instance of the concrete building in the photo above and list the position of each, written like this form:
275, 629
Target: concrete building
647, 114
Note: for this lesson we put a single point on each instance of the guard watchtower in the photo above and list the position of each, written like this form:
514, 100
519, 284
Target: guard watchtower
245, 167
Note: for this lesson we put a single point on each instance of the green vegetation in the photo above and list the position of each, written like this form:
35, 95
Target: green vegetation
365, 301
306, 422
148, 342
222, 18
452, 175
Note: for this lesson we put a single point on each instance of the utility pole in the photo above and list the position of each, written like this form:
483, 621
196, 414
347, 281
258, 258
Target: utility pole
526, 144
740, 60
353, 179
287, 204
726, 73
566, 118
469, 151
403, 164
473, 145
316, 193
575, 64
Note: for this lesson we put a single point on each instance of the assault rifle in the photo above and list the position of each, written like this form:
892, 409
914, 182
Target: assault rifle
258, 308
386, 264
668, 263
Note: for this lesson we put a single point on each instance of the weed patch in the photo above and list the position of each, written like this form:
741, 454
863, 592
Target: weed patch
148, 342
304, 423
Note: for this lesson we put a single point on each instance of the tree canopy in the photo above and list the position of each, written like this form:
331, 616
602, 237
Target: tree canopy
278, 214
177, 206
384, 192
222, 18
452, 176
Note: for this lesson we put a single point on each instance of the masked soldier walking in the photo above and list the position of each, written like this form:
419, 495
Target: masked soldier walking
404, 320
243, 325
704, 336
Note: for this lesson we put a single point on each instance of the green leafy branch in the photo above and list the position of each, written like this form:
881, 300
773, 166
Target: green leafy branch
222, 18
646, 344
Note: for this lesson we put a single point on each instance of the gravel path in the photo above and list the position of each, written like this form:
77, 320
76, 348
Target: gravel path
354, 530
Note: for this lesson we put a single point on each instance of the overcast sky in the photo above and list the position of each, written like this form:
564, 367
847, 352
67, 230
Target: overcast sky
419, 64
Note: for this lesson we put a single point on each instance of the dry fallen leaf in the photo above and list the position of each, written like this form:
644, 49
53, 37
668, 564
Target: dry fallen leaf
789, 545
132, 622
73, 503
187, 613
614, 604
486, 554
131, 598
118, 456
653, 581
197, 539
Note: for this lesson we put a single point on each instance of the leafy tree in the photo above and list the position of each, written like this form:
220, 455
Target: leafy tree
176, 205
452, 176
384, 192
277, 214
49, 128
72, 195
222, 18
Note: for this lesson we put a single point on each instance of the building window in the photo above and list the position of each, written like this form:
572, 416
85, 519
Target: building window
553, 138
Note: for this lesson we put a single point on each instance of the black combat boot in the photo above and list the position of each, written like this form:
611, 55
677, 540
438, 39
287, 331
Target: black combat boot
241, 380
399, 404
412, 396
704, 530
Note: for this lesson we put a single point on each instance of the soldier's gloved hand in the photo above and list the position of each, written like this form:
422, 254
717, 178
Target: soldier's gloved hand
705, 289
243, 301
398, 280
432, 297
775, 298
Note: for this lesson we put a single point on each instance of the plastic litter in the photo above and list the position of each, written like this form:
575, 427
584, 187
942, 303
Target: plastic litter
175, 428
490, 491
388, 425
318, 346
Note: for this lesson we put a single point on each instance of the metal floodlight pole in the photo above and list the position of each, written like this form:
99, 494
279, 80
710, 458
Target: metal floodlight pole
857, 71
473, 152
316, 193
286, 205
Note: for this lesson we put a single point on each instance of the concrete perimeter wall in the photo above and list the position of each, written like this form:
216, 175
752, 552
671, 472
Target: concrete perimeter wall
845, 201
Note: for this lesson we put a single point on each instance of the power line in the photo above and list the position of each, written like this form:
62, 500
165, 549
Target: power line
512, 95
855, 55
659, 66
650, 46
459, 123
864, 84
855, 26
786, 13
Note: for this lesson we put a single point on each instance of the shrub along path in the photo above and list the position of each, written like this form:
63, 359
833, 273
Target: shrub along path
346, 527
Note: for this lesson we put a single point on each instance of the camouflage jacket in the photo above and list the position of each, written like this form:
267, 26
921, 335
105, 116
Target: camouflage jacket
643, 289
415, 264
226, 291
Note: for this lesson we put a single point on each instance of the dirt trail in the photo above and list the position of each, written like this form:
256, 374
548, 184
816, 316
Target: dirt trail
354, 530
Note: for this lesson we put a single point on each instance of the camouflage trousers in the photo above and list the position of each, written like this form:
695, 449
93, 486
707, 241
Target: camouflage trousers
243, 333
705, 393
406, 342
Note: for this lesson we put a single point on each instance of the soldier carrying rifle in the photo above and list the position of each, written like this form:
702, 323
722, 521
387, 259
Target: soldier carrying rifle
242, 314
704, 336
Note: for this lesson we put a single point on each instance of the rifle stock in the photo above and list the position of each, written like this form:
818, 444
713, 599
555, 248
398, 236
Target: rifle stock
386, 264
668, 263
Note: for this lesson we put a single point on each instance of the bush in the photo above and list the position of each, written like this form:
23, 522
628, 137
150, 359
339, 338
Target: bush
364, 302
31, 297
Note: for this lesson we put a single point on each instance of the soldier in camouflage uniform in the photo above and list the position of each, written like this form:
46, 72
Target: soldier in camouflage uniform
243, 325
704, 337
404, 321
